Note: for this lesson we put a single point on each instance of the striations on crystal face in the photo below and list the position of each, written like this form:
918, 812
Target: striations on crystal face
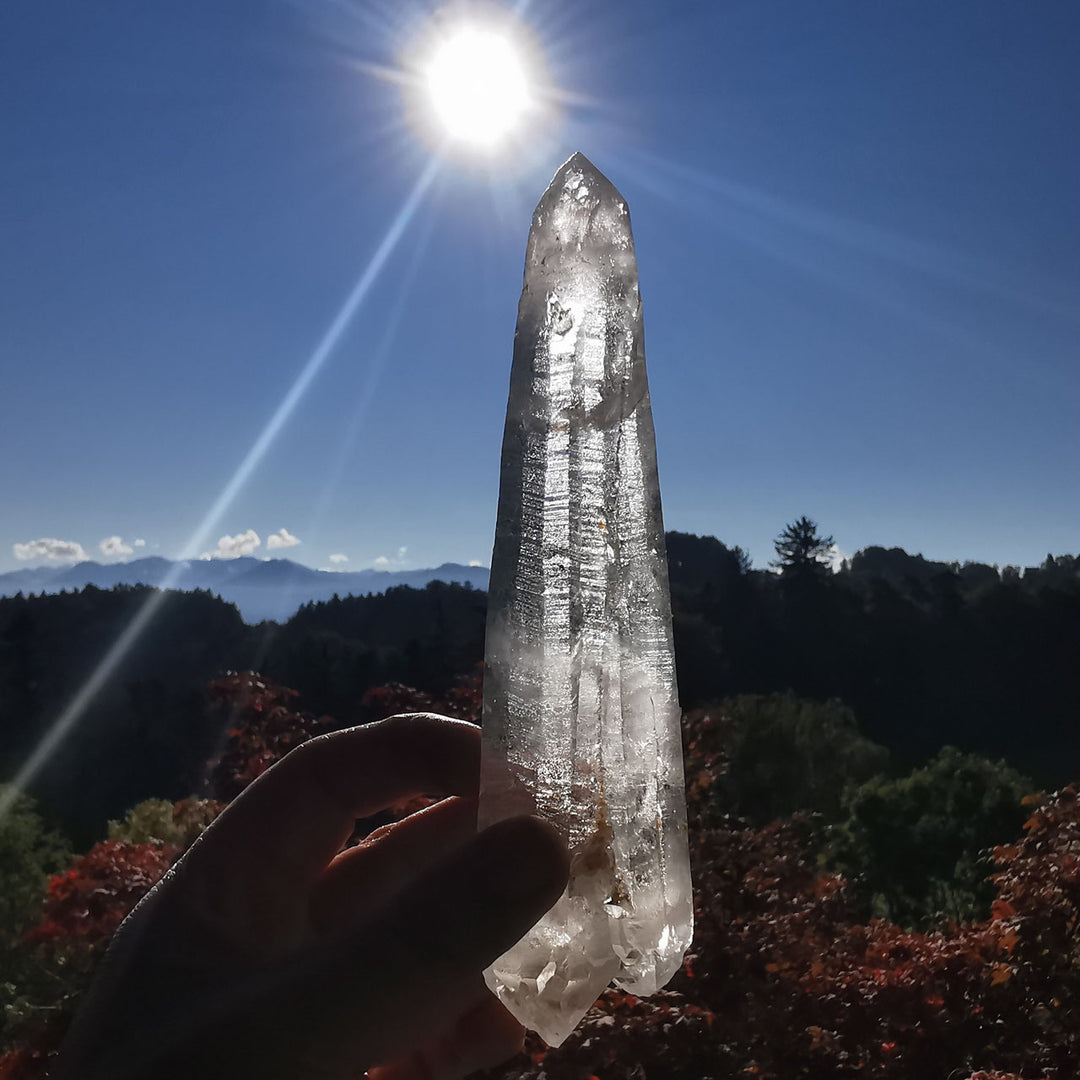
581, 714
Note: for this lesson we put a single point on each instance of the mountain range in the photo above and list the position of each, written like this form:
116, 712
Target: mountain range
261, 589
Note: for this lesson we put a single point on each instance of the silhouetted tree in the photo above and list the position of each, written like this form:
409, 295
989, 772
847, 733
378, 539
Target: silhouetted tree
800, 550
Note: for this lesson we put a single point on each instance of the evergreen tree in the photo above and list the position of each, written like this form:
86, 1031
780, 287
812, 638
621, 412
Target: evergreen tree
800, 550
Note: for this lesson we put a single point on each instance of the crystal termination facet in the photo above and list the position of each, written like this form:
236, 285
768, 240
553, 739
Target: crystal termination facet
581, 712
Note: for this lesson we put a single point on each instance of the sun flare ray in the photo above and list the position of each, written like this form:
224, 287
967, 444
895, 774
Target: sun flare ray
75, 709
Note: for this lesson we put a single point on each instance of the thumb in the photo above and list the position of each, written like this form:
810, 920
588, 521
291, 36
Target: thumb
414, 967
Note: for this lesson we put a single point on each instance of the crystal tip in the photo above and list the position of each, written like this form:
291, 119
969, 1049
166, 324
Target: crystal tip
577, 160
579, 163
576, 171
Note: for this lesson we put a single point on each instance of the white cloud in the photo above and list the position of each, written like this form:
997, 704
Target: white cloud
475, 562
282, 539
139, 543
233, 547
392, 562
114, 546
835, 558
337, 558
48, 549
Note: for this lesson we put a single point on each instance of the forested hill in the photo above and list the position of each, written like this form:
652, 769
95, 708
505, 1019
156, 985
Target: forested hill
926, 654
151, 729
262, 589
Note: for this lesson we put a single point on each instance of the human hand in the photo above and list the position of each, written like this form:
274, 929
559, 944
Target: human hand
269, 952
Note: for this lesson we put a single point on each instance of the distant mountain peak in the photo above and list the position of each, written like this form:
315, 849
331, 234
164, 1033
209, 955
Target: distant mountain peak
262, 589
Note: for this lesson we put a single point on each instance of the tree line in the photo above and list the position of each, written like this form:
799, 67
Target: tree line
923, 654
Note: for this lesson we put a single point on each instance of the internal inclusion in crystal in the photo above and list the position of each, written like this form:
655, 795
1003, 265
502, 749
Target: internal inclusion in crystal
581, 714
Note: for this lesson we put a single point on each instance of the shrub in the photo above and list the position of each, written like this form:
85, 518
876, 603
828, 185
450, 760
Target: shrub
261, 730
782, 754
29, 852
916, 849
160, 822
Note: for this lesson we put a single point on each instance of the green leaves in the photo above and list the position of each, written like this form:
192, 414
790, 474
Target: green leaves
915, 848
775, 754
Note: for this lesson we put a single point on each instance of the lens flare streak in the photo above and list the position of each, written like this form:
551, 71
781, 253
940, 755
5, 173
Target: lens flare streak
315, 362
73, 712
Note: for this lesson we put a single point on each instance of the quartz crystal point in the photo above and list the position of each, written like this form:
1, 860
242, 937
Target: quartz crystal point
581, 712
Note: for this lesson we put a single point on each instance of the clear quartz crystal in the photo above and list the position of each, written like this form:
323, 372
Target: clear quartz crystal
581, 712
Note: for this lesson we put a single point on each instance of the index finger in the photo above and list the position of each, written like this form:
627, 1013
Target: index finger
287, 826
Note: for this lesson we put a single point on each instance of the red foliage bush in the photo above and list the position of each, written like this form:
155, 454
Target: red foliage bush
90, 900
262, 729
782, 981
394, 698
83, 907
463, 701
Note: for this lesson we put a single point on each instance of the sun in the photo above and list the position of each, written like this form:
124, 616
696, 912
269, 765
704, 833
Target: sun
476, 82
477, 87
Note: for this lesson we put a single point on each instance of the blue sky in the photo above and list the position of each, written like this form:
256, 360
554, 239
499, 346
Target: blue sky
856, 227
